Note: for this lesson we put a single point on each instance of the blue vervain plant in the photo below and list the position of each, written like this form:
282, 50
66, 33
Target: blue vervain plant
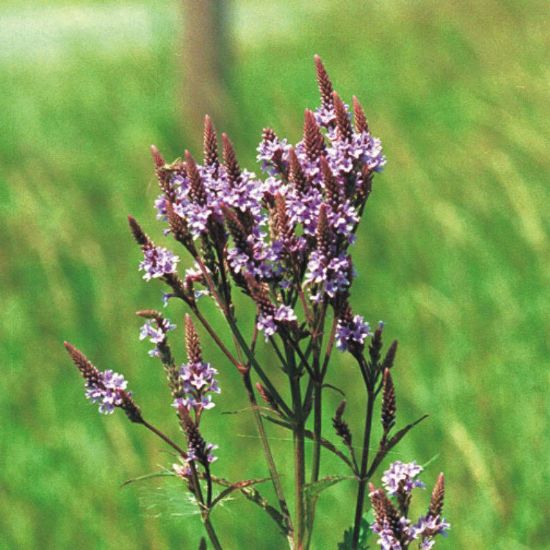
284, 242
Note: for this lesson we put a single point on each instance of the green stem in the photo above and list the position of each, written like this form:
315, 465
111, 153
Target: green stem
212, 533
363, 472
257, 368
299, 450
317, 431
275, 477
204, 513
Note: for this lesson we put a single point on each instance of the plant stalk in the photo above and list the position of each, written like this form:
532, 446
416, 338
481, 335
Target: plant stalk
363, 471
204, 514
275, 477
299, 450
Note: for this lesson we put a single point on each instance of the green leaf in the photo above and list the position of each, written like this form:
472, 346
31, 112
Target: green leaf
316, 488
364, 533
147, 476
313, 490
433, 459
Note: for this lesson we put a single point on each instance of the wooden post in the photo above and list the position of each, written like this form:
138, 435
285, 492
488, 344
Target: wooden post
206, 57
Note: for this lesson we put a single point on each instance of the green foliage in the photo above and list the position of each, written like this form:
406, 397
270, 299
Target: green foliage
452, 255
364, 534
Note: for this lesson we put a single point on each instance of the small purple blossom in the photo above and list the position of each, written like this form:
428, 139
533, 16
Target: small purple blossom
386, 537
158, 261
199, 383
268, 324
333, 275
106, 390
183, 469
428, 527
352, 332
155, 330
271, 153
401, 477
325, 117
209, 447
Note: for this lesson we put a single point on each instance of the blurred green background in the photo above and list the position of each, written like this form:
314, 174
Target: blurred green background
453, 254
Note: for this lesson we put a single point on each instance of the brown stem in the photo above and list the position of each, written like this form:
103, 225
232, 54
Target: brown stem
257, 368
215, 337
165, 438
324, 443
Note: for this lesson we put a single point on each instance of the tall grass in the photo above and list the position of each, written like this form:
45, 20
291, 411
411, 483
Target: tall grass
453, 255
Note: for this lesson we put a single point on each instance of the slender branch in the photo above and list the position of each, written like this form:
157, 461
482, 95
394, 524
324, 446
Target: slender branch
317, 431
196, 483
258, 369
299, 449
215, 336
318, 392
212, 533
278, 352
165, 438
363, 472
275, 477
324, 442
208, 486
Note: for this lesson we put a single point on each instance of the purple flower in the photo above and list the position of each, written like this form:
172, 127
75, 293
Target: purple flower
271, 153
266, 324
343, 220
401, 477
199, 383
428, 527
333, 275
158, 261
386, 536
325, 117
183, 469
155, 330
160, 205
269, 323
209, 447
106, 390
352, 332
285, 314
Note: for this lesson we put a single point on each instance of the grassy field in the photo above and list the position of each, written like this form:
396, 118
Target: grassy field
453, 254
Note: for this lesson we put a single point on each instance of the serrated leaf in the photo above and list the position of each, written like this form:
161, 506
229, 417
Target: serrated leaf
313, 490
317, 487
364, 533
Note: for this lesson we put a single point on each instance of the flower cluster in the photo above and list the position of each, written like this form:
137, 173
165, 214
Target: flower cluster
395, 531
351, 332
292, 228
198, 384
269, 321
401, 477
284, 240
157, 261
197, 377
156, 330
106, 388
